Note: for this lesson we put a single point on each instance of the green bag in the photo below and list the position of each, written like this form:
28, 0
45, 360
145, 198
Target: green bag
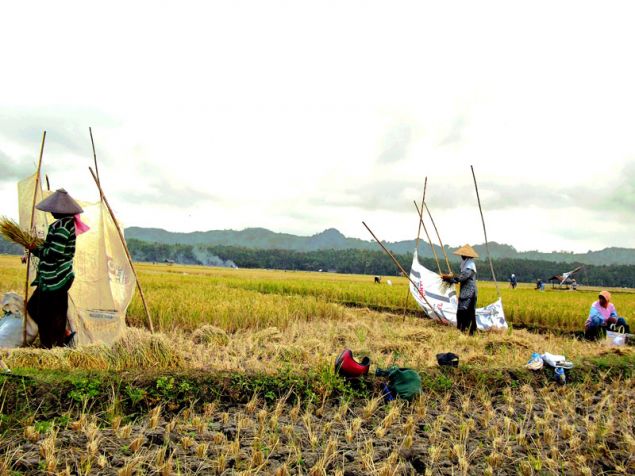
403, 382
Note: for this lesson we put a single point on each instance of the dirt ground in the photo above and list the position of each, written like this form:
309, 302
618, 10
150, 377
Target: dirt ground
579, 429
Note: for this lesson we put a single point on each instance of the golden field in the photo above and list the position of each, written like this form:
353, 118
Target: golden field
238, 379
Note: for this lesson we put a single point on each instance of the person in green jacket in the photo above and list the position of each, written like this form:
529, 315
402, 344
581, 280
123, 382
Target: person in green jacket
48, 306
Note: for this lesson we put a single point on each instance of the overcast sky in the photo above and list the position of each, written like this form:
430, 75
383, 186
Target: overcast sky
299, 116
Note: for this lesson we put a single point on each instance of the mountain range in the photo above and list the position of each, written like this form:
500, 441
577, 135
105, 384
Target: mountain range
261, 238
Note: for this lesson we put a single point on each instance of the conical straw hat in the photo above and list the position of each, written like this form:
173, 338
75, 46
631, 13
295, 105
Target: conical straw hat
466, 250
60, 202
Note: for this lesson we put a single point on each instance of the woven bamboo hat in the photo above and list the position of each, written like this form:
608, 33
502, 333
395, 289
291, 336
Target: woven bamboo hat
466, 250
60, 202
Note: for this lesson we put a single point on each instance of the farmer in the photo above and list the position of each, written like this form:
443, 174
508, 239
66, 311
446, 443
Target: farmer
513, 281
466, 313
48, 305
603, 315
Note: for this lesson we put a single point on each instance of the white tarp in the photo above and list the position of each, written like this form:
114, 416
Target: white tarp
444, 302
104, 283
41, 220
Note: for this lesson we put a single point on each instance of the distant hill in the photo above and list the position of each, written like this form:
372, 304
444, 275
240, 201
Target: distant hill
332, 239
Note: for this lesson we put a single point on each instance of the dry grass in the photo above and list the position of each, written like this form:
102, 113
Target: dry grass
271, 322
302, 345
552, 430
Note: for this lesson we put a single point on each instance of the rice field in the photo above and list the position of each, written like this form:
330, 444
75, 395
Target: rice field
238, 379
186, 297
553, 309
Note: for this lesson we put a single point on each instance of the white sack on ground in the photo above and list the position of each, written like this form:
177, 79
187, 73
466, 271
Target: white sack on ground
444, 301
11, 322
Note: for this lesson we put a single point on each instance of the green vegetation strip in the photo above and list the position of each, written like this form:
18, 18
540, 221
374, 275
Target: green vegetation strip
50, 394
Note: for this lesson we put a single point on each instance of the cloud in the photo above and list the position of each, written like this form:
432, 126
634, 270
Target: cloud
395, 143
67, 128
455, 135
11, 171
620, 196
159, 190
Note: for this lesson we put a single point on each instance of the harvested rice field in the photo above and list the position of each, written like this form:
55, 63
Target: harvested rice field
238, 379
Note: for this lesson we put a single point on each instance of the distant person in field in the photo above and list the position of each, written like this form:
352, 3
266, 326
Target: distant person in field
48, 305
540, 286
466, 313
513, 281
602, 316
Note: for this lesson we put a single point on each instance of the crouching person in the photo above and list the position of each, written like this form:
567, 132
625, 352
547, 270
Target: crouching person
603, 316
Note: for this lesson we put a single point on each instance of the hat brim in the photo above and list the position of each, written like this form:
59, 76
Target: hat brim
61, 203
466, 250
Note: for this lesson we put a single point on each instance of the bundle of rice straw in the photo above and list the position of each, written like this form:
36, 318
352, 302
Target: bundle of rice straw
11, 231
444, 284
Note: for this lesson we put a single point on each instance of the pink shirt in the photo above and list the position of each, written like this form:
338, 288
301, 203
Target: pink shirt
607, 311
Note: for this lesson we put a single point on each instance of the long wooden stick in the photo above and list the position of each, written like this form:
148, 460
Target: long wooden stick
90, 130
125, 247
392, 257
28, 253
447, 261
423, 199
48, 184
489, 256
434, 252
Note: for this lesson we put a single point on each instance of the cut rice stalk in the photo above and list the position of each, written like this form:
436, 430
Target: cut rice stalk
11, 231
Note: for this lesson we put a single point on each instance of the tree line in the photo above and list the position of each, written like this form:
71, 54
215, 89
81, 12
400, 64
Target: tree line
355, 261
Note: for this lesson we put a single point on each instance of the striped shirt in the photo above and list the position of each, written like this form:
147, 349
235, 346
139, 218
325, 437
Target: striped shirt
55, 268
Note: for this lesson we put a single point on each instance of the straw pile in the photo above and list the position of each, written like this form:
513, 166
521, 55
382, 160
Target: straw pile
11, 231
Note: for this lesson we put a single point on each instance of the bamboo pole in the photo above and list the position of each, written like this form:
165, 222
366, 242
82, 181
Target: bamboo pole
434, 252
423, 199
90, 130
48, 184
447, 261
489, 257
28, 253
125, 247
392, 257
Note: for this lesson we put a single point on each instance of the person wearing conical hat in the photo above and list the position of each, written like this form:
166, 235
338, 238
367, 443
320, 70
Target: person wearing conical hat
466, 312
48, 306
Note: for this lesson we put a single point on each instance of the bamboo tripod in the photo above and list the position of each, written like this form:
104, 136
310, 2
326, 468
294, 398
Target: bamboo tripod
489, 256
425, 187
95, 175
447, 261
434, 252
392, 257
149, 324
28, 253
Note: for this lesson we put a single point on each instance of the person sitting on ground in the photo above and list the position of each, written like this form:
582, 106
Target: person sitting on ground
466, 313
603, 315
48, 306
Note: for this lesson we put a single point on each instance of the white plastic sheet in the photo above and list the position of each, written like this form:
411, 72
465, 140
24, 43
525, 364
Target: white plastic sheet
442, 302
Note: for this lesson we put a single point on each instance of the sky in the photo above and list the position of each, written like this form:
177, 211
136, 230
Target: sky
300, 116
